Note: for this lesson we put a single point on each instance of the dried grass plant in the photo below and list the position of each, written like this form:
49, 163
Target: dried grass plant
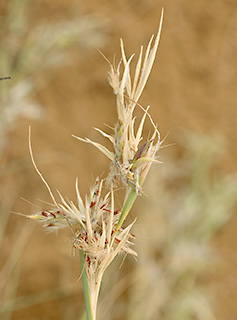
96, 223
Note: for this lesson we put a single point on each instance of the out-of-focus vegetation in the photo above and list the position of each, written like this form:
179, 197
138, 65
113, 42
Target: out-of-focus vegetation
26, 51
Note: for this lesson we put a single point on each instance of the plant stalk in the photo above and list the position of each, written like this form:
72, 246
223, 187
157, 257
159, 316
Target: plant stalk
126, 208
86, 289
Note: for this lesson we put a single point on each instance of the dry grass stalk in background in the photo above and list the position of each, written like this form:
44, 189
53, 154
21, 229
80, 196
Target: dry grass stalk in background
26, 52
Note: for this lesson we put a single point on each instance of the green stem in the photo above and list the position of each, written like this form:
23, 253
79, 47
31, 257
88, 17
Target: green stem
126, 208
86, 289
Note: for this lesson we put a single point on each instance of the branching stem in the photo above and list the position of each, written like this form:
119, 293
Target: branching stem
126, 208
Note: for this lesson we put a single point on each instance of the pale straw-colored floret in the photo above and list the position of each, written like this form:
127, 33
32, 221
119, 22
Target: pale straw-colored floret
95, 220
129, 159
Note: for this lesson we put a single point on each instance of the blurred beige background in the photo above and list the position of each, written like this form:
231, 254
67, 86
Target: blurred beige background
192, 87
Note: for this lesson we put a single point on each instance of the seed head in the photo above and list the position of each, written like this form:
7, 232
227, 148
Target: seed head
130, 160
